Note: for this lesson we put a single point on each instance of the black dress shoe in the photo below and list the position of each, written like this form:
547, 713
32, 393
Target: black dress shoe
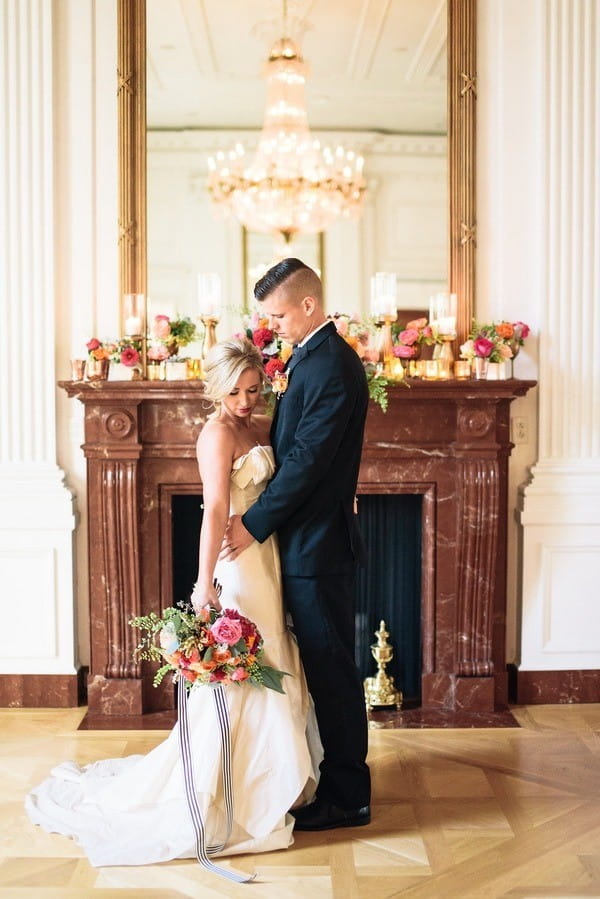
323, 815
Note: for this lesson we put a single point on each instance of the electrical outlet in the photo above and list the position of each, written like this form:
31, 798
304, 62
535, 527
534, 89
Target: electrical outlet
520, 433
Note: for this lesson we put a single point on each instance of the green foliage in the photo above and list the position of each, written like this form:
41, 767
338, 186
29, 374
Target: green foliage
378, 387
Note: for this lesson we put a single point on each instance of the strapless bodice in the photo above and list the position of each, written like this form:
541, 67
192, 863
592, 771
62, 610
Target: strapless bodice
249, 476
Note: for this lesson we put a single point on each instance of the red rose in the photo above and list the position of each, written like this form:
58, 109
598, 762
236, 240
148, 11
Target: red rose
130, 356
93, 344
274, 367
262, 337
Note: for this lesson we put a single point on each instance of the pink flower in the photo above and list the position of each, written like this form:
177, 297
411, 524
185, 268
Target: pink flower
483, 347
93, 344
504, 350
130, 356
226, 630
408, 336
158, 353
161, 327
522, 330
341, 323
403, 352
239, 674
261, 337
417, 324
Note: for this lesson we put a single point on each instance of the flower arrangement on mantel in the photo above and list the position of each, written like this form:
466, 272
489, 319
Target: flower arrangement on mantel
126, 351
409, 340
496, 341
169, 335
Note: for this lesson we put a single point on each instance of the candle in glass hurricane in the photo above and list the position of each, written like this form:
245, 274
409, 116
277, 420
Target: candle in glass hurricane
133, 313
384, 309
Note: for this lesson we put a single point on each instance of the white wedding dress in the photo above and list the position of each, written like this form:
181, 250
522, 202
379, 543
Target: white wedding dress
133, 811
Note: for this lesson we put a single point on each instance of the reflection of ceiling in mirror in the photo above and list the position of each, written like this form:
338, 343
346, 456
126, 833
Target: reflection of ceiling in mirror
373, 64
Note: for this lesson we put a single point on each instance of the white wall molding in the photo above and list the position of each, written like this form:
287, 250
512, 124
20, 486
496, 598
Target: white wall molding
560, 508
36, 560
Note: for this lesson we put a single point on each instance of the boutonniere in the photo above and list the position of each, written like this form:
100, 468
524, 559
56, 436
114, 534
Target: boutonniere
279, 384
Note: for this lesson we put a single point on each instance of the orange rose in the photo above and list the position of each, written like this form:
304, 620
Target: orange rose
209, 666
221, 656
100, 353
505, 330
189, 675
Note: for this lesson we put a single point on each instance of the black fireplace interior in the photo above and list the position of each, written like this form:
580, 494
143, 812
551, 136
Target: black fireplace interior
388, 587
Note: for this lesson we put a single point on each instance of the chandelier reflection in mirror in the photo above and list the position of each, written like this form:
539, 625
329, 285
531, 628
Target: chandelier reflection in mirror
292, 185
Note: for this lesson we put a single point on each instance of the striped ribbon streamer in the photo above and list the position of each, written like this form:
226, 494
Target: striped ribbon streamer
202, 850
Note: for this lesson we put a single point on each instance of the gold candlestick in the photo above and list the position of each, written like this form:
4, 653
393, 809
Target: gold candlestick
210, 323
381, 690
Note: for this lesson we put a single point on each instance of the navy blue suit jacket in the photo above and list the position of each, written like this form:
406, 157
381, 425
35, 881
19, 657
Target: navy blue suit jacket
317, 437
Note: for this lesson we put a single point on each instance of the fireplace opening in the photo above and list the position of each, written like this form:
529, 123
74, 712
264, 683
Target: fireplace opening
388, 587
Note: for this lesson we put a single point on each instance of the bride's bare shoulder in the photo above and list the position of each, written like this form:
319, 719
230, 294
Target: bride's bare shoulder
216, 436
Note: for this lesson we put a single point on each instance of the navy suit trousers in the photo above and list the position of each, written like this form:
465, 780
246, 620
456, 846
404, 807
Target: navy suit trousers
322, 610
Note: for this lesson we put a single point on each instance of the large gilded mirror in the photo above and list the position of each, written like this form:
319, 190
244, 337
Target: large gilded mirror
458, 19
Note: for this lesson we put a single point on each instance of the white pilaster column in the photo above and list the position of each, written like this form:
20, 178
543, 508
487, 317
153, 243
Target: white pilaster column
36, 525
560, 513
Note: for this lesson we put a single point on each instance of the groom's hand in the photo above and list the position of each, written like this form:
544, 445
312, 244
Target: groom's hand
235, 540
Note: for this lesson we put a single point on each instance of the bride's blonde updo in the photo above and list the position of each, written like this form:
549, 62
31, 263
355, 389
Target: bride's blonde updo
224, 364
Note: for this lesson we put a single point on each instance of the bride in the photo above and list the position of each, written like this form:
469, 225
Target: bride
133, 811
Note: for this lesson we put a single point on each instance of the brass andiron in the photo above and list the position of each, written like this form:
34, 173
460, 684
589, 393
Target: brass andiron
380, 690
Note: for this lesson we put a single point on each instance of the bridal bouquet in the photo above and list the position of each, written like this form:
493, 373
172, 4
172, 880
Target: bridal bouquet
208, 648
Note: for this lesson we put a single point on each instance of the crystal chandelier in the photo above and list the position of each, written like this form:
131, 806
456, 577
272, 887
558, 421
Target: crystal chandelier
292, 185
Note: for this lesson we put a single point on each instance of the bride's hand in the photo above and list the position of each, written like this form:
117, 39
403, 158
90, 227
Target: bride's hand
204, 596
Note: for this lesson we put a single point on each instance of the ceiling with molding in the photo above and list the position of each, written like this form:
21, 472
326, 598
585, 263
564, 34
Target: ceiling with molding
373, 64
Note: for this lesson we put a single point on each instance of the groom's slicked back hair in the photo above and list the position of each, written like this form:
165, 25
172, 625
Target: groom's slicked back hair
304, 278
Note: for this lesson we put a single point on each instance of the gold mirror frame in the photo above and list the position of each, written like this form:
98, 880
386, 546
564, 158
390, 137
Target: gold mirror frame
131, 73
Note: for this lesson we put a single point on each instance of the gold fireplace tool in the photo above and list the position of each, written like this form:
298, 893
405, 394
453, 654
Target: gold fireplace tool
380, 690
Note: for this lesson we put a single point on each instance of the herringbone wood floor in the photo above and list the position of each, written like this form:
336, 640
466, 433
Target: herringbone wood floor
456, 813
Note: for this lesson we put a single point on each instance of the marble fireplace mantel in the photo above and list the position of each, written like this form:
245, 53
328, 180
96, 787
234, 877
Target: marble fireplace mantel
448, 441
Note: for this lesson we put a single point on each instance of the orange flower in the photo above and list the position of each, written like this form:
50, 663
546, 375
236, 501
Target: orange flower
221, 655
208, 666
189, 675
100, 353
505, 330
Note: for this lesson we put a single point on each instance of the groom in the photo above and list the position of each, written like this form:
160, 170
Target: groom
317, 436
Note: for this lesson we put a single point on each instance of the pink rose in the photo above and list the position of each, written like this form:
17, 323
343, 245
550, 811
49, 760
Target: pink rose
158, 353
93, 344
522, 330
403, 352
341, 324
161, 327
505, 351
483, 347
239, 674
226, 630
408, 336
